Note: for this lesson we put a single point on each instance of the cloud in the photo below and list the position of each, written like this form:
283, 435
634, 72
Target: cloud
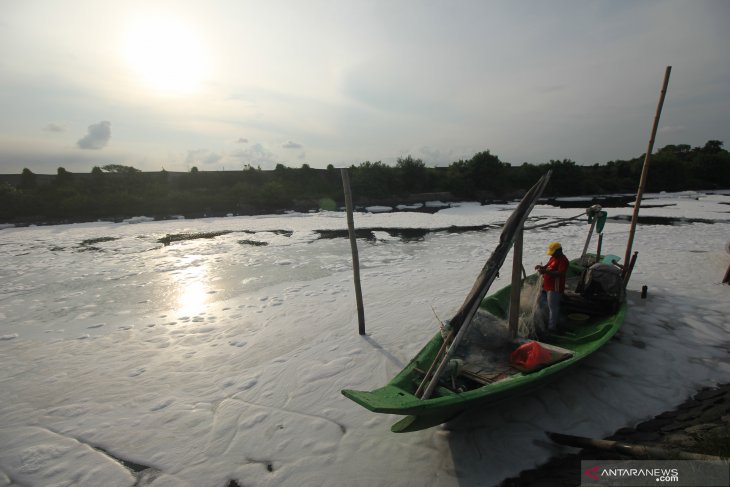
242, 140
256, 155
43, 155
436, 157
53, 127
291, 145
202, 156
98, 136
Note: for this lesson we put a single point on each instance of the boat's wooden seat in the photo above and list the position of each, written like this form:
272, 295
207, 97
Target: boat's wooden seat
488, 375
485, 376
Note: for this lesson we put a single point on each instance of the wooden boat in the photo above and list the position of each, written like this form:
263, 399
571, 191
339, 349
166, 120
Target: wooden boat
488, 376
574, 343
494, 376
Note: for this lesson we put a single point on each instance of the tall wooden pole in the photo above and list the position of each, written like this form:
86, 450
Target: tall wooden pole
645, 169
353, 246
514, 301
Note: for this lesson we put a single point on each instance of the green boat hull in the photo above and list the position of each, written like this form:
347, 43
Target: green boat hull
398, 396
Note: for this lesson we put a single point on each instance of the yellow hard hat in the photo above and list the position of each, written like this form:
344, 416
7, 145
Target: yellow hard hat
552, 247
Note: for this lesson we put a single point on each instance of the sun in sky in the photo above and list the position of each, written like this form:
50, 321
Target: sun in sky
167, 54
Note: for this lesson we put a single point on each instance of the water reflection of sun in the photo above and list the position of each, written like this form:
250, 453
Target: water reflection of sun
193, 291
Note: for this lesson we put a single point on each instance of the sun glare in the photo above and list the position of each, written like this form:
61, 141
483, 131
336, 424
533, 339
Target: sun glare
167, 55
192, 293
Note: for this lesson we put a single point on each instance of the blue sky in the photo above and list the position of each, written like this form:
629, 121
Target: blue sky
221, 84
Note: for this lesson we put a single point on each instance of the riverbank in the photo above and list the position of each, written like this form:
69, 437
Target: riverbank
701, 424
416, 203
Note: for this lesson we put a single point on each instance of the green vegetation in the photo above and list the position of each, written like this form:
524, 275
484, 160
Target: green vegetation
115, 191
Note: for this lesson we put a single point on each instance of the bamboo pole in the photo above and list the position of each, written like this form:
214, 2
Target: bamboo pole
645, 168
427, 378
353, 246
588, 241
514, 302
636, 451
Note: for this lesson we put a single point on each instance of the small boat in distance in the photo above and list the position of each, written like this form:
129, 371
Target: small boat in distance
473, 362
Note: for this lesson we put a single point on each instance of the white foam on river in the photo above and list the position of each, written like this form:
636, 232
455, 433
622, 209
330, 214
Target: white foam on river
214, 359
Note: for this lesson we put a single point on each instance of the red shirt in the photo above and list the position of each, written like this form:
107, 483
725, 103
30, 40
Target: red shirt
551, 283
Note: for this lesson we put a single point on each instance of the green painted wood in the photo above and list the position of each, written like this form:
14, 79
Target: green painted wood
398, 396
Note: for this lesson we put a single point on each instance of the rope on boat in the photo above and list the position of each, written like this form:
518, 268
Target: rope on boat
556, 222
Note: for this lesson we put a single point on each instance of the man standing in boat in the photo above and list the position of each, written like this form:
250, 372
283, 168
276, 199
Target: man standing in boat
553, 283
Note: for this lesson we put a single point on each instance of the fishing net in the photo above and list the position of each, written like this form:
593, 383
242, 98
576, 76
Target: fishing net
486, 345
488, 331
484, 351
531, 316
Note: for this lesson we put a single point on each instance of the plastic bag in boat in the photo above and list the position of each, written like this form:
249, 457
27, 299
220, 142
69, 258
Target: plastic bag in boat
530, 355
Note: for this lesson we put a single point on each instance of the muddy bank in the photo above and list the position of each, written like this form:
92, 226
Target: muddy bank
701, 424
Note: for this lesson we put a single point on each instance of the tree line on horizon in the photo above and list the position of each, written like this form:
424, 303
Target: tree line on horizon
117, 191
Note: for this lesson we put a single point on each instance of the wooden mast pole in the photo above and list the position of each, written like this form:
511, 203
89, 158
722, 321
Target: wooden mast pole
514, 302
645, 169
353, 246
